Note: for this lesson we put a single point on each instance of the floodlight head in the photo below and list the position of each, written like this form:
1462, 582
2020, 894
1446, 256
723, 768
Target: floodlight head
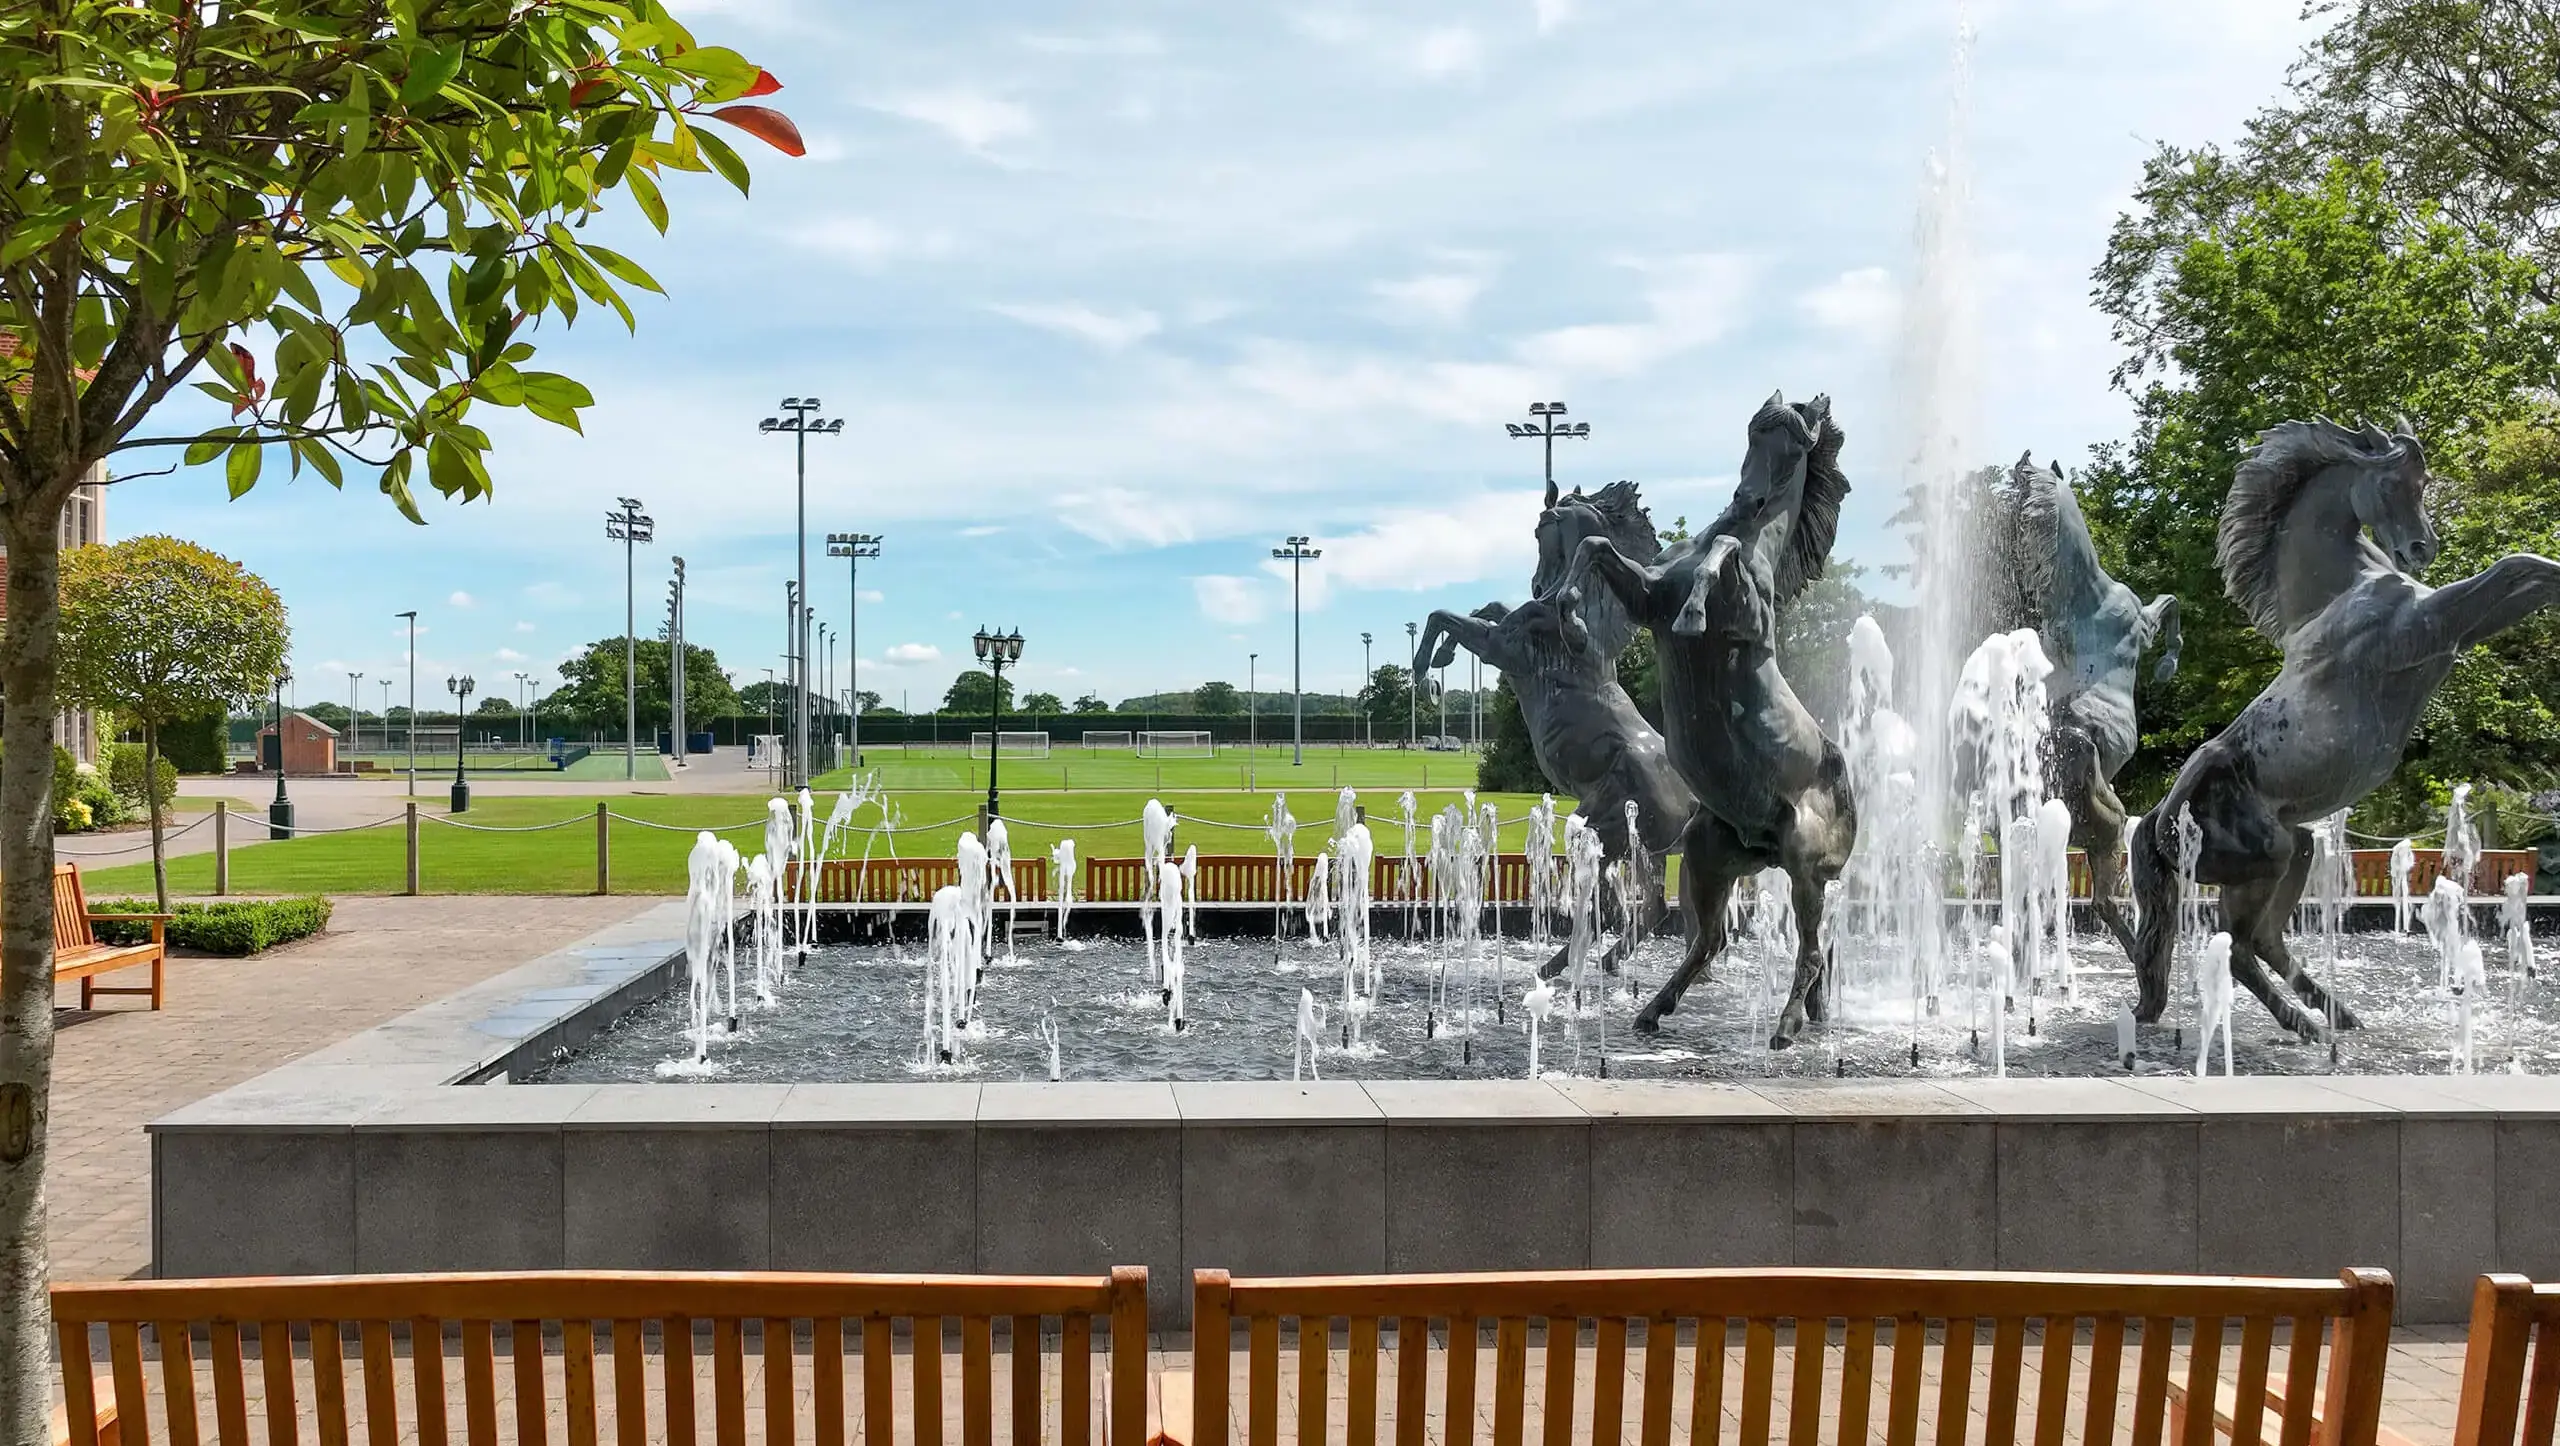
1555, 409
1582, 429
767, 425
835, 424
791, 402
1537, 409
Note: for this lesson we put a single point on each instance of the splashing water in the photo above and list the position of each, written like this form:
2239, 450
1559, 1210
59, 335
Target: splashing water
2213, 1002
1062, 882
2404, 861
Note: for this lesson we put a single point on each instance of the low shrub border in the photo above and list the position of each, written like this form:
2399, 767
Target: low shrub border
229, 926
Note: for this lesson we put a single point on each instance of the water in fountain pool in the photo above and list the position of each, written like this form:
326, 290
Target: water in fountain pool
850, 1014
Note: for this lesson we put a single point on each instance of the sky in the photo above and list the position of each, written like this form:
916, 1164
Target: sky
1113, 297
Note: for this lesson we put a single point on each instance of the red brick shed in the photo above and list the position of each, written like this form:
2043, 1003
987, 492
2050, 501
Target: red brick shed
310, 746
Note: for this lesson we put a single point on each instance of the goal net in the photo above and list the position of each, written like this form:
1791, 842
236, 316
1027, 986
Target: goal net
1175, 745
1093, 740
1011, 745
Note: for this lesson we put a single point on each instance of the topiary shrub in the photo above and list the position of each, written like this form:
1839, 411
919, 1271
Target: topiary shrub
198, 745
228, 926
124, 774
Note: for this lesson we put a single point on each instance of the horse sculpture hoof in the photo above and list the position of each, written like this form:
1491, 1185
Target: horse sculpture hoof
1648, 1023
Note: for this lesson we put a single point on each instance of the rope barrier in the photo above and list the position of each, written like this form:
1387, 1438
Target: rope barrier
506, 828
682, 828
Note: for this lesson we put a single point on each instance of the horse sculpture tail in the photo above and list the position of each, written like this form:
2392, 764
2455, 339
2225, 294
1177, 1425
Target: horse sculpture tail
2155, 895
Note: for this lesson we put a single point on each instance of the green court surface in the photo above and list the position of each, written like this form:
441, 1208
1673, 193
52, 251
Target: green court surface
1070, 767
548, 845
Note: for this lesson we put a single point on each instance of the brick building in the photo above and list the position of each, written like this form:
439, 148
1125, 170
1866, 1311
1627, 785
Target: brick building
310, 746
84, 520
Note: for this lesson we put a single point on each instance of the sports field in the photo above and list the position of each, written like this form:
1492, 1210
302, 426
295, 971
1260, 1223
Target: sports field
597, 766
547, 845
1070, 768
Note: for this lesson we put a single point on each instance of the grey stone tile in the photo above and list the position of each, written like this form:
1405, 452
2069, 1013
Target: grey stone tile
2306, 1195
872, 1105
1282, 1197
2432, 1096
1830, 1099
1480, 1194
1276, 1102
2064, 1099
1656, 1099
2528, 1198
2448, 1215
723, 1107
645, 1197
479, 1108
1080, 1199
2513, 1096
1469, 1101
2291, 1096
875, 1195
1082, 1103
1909, 1191
1703, 1189
2098, 1194
444, 1195
253, 1202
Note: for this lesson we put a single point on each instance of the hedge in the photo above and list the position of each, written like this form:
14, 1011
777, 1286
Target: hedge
231, 926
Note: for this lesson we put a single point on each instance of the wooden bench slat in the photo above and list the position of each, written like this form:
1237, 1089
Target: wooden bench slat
1706, 1387
2301, 1378
729, 1383
275, 1361
1857, 1379
2542, 1390
178, 1381
1910, 1361
1608, 1382
381, 1384
124, 1357
2053, 1380
977, 1381
1955, 1379
525, 1353
480, 1383
79, 1383
426, 1374
1812, 1340
630, 1385
1510, 1379
780, 1397
1075, 1386
2249, 1390
1458, 1388
2204, 1378
2151, 1381
2106, 1370
1661, 1363
1759, 1376
2008, 1368
1563, 1340
826, 1380
1360, 1423
578, 1380
675, 1350
879, 1409
1315, 1348
230, 1385
1262, 1382
329, 1382
1022, 1369
925, 1384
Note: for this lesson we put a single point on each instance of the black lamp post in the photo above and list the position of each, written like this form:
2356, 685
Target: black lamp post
996, 650
1544, 427
460, 688
280, 812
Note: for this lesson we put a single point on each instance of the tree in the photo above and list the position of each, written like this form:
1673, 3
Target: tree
496, 706
1510, 762
1217, 700
590, 690
1813, 640
161, 630
867, 703
1093, 703
2246, 301
174, 178
1043, 705
968, 694
1388, 700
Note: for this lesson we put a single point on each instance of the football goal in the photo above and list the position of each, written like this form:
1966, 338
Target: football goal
1176, 745
1112, 740
1011, 745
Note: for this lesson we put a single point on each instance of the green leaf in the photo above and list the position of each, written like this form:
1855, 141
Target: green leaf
555, 398
241, 471
322, 460
209, 446
723, 159
623, 268
395, 485
644, 189
429, 71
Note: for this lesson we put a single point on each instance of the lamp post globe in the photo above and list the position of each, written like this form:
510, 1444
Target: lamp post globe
460, 687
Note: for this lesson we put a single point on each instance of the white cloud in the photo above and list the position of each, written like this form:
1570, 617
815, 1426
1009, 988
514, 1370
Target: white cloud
550, 595
1223, 599
1863, 303
983, 530
1552, 13
524, 627
1120, 517
912, 653
873, 595
973, 118
1448, 50
952, 616
1694, 299
460, 600
1073, 318
866, 243
1436, 298
509, 655
402, 631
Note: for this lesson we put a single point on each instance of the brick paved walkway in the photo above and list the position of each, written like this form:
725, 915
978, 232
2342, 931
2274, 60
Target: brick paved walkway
229, 1019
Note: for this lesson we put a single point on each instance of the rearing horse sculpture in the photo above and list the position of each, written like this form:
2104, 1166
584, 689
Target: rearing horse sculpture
2365, 646
2095, 631
1771, 789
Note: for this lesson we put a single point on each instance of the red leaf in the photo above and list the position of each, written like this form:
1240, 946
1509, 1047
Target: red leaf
767, 125
248, 363
589, 90
765, 84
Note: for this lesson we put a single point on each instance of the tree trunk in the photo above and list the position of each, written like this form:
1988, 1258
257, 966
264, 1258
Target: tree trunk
151, 805
27, 664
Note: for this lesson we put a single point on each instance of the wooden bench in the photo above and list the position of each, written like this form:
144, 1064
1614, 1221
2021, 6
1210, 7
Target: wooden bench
1835, 1323
577, 1349
77, 954
2511, 1364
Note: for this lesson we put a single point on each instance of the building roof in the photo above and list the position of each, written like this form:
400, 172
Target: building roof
324, 728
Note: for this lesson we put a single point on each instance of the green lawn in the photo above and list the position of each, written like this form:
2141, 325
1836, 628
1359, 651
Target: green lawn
1070, 767
596, 767
649, 860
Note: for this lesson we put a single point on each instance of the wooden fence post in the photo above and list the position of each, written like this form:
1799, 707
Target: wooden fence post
604, 852
410, 823
221, 847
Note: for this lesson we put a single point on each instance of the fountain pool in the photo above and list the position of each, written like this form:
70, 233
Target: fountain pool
850, 1013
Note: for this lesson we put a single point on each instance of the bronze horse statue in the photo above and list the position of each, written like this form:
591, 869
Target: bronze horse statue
2095, 631
1772, 790
2365, 646
1560, 652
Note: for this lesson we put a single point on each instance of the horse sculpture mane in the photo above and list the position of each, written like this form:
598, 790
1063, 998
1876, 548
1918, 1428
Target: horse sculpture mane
1625, 522
1818, 510
2274, 473
2029, 541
